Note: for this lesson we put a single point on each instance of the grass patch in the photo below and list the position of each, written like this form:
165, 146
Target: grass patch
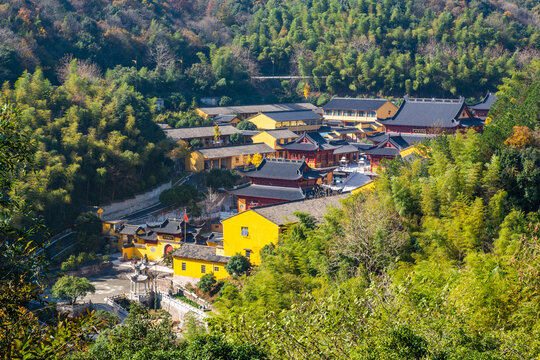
186, 300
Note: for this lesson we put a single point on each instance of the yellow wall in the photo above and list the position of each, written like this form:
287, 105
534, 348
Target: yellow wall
129, 252
193, 268
387, 110
261, 232
156, 254
264, 122
195, 161
266, 138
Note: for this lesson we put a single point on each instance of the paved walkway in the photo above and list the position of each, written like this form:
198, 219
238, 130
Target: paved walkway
111, 282
114, 281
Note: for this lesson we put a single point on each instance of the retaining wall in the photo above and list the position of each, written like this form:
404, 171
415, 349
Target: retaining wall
139, 202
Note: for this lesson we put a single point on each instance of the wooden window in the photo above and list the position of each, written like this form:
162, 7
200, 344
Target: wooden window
245, 231
183, 266
216, 268
248, 253
203, 269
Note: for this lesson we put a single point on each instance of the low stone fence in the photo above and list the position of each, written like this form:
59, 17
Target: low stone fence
180, 288
73, 310
178, 309
117, 309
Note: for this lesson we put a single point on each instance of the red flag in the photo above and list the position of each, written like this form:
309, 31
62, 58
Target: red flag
185, 216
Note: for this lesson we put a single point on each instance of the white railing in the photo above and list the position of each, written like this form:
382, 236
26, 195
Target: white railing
118, 310
167, 300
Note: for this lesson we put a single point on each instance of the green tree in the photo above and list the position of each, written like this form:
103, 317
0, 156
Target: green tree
21, 334
237, 138
141, 336
207, 282
196, 143
71, 287
238, 265
246, 125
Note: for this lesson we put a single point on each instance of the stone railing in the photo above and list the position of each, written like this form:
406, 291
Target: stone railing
73, 310
118, 310
178, 308
190, 295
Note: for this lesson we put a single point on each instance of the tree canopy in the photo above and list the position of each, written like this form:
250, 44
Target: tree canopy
438, 261
71, 288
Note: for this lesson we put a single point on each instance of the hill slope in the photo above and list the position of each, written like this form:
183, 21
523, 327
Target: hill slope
427, 48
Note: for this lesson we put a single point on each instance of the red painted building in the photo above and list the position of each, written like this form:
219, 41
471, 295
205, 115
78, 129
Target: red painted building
317, 152
279, 180
482, 108
389, 146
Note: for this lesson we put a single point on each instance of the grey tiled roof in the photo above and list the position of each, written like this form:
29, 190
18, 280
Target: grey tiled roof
293, 115
315, 141
346, 130
225, 119
281, 214
199, 132
338, 103
235, 150
150, 236
282, 134
129, 229
169, 226
361, 147
398, 142
279, 169
471, 122
377, 138
253, 109
270, 192
485, 104
383, 151
250, 132
163, 126
300, 146
345, 149
427, 113
200, 252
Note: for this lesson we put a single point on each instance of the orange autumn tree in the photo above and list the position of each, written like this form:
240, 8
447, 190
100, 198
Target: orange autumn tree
521, 137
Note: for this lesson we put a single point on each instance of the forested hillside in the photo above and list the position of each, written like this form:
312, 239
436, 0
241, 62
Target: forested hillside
92, 119
441, 261
92, 142
185, 49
